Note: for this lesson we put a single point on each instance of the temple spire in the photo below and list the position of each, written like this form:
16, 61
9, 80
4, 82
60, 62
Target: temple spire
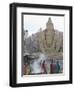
49, 24
49, 20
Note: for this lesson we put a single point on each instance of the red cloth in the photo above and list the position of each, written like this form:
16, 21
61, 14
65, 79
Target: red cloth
53, 67
44, 67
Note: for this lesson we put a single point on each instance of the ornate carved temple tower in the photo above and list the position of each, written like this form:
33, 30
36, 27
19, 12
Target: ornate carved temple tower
49, 32
49, 24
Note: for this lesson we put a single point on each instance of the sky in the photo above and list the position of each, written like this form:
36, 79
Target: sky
33, 23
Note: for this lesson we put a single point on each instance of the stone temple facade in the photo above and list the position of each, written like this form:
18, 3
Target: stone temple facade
48, 41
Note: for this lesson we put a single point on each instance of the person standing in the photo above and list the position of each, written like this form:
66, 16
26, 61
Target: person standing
52, 67
26, 69
44, 67
57, 67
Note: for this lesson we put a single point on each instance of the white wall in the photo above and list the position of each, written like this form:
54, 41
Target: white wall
4, 43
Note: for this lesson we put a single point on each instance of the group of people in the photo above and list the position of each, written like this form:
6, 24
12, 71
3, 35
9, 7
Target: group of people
53, 67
